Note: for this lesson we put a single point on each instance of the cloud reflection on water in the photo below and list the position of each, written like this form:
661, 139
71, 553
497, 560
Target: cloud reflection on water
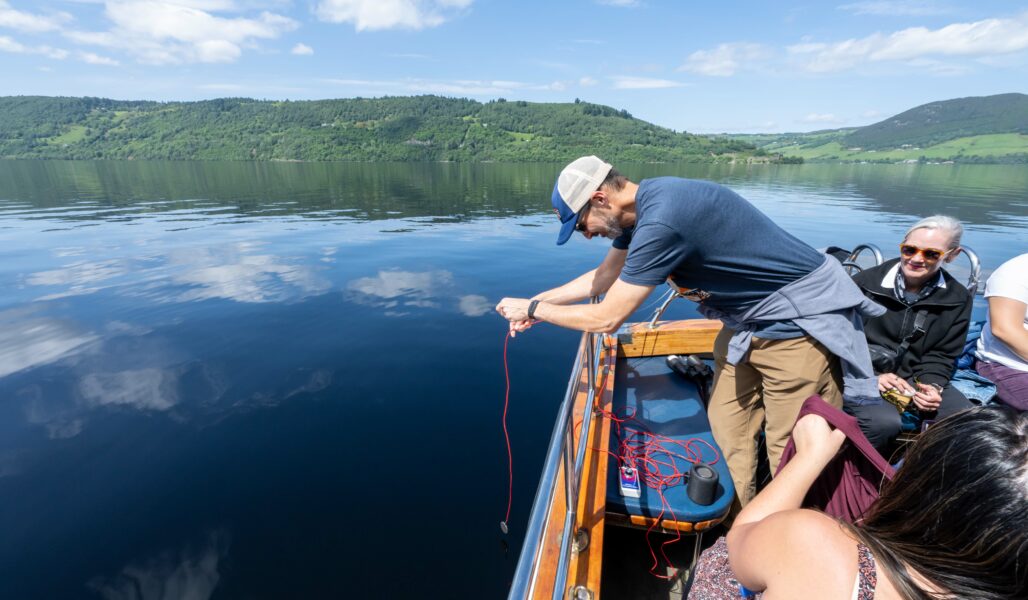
235, 273
474, 305
189, 572
144, 389
31, 341
395, 290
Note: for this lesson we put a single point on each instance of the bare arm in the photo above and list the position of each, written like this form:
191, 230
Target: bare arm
1006, 318
606, 317
751, 557
593, 283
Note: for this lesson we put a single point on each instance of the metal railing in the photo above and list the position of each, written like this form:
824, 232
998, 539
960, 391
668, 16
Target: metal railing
561, 451
851, 261
975, 275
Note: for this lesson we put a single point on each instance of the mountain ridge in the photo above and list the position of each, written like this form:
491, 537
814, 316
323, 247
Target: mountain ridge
975, 129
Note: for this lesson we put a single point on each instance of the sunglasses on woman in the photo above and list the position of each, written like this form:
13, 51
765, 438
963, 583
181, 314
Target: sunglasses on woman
929, 254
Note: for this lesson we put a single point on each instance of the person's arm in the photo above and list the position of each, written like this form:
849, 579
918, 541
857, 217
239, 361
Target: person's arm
593, 283
1006, 319
751, 540
587, 285
606, 317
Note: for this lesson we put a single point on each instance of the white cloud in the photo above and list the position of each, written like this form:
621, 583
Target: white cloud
30, 22
96, 59
978, 39
14, 47
897, 8
622, 3
643, 83
302, 50
460, 87
221, 87
182, 31
389, 14
821, 118
938, 67
725, 60
587, 82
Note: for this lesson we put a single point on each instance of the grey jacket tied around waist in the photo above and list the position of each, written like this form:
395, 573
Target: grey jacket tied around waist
829, 307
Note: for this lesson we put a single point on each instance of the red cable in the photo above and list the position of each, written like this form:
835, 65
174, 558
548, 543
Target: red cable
653, 455
637, 446
506, 435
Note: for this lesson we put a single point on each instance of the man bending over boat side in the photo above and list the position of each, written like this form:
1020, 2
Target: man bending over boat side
786, 307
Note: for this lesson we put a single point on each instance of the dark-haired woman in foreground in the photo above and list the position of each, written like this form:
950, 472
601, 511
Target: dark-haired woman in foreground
953, 523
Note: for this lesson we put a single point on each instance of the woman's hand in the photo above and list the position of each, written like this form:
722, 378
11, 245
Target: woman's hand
928, 397
815, 439
892, 381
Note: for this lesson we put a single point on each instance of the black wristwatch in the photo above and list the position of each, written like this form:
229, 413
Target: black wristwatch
531, 308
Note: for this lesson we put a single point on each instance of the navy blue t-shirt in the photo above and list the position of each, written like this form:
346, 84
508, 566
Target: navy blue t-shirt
709, 239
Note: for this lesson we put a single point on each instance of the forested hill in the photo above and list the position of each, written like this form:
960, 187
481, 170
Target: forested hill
937, 122
422, 128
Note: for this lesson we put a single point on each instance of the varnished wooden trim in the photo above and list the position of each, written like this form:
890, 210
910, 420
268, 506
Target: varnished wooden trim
694, 336
587, 565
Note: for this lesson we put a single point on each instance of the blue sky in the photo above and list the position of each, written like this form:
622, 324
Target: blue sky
703, 67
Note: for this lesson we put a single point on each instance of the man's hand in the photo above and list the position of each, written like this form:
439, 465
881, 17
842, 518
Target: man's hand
892, 381
513, 309
928, 397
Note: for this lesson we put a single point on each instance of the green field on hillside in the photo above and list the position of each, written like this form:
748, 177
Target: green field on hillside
1001, 147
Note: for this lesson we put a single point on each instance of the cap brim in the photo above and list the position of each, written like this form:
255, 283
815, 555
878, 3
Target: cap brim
566, 230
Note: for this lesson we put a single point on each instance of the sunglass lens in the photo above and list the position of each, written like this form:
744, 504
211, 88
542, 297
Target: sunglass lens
908, 250
932, 255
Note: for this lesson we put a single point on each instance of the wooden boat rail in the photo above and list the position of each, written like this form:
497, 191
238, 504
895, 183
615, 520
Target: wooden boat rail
563, 460
562, 552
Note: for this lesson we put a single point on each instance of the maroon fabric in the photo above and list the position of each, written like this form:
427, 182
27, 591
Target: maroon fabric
849, 484
1011, 384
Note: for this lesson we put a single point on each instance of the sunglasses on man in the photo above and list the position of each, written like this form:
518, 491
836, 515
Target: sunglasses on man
929, 254
580, 225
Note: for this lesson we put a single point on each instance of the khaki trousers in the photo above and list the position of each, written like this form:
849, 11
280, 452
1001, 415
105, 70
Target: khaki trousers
765, 390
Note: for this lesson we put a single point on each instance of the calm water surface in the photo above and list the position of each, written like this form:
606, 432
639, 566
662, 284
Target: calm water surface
236, 380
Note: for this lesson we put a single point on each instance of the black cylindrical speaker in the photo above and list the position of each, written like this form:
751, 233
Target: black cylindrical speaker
702, 486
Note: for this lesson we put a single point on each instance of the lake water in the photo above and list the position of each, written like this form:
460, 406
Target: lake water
239, 380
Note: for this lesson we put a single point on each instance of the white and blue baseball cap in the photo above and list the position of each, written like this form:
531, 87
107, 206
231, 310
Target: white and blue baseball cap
571, 193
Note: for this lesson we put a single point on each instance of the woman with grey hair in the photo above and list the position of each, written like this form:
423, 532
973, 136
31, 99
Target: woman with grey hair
915, 343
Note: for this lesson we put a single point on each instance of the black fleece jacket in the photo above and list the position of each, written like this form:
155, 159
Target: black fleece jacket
931, 358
